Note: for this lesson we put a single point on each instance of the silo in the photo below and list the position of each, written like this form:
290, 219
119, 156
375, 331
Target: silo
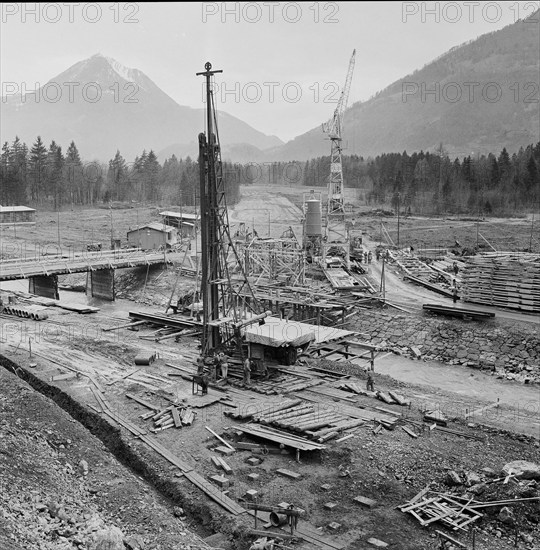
313, 218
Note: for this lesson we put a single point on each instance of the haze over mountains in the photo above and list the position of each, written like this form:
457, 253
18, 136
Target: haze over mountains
477, 98
497, 76
109, 107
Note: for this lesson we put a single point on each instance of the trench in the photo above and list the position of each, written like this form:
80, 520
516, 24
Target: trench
204, 520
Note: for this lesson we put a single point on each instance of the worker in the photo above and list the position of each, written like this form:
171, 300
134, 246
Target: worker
369, 257
202, 377
377, 254
214, 367
454, 293
264, 370
370, 386
456, 268
247, 371
224, 365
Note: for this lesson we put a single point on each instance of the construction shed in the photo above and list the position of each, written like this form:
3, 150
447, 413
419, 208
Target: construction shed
17, 214
152, 236
185, 223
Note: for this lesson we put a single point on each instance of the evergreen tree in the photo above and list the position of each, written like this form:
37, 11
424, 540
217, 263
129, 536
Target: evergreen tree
74, 175
151, 171
117, 178
37, 175
55, 174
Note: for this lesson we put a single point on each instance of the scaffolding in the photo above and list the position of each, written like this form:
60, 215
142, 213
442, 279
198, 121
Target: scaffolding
276, 260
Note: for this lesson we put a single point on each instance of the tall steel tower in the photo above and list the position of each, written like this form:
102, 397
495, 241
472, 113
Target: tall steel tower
222, 292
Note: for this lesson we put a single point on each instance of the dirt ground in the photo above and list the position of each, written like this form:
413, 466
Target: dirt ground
46, 501
389, 468
131, 486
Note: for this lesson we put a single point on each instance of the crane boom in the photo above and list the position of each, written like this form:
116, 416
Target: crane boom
334, 127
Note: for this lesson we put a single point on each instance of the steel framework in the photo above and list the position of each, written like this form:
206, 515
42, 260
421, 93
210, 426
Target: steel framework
222, 296
274, 260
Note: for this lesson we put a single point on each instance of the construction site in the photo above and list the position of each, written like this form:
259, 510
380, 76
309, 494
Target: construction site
296, 372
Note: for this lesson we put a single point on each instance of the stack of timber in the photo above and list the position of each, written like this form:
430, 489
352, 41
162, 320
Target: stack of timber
504, 280
172, 416
281, 437
303, 417
248, 410
278, 385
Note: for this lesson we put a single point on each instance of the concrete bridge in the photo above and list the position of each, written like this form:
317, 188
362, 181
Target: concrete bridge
42, 272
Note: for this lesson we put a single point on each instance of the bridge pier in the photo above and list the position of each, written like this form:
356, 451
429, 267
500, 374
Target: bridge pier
44, 285
101, 284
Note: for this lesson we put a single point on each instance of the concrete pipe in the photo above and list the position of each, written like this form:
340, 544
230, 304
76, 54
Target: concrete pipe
26, 314
8, 310
34, 316
277, 519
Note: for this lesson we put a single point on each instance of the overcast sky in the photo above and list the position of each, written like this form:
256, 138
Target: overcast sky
303, 48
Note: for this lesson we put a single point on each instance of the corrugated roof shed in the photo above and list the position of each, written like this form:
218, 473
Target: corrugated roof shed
156, 226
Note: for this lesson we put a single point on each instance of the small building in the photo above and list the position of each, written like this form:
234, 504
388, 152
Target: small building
17, 214
152, 236
186, 223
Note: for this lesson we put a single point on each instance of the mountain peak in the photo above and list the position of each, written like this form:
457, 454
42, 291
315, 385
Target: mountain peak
127, 73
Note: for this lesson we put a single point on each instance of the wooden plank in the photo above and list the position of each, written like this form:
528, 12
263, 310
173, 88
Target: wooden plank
409, 431
220, 438
176, 418
226, 468
141, 401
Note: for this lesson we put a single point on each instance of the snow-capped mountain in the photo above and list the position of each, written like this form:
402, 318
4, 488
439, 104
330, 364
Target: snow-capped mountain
104, 106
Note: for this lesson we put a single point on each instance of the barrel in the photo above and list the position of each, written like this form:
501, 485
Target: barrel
313, 218
278, 519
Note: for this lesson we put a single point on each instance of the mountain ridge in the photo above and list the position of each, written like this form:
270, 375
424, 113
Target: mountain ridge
104, 106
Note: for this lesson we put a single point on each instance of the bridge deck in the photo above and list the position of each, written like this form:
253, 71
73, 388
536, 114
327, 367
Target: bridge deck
22, 268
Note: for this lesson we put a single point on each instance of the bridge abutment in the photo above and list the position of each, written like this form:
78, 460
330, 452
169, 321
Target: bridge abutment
101, 284
44, 285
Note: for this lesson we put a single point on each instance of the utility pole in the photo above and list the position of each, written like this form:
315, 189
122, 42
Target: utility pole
112, 232
531, 236
382, 288
398, 220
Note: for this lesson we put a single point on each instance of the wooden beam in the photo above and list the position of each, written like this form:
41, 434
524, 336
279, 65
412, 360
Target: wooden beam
220, 438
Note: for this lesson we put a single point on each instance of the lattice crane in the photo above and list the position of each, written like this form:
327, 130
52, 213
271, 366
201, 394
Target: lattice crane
334, 128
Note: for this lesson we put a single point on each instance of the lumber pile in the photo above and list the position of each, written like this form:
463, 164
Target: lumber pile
173, 416
503, 280
281, 437
249, 410
277, 385
296, 416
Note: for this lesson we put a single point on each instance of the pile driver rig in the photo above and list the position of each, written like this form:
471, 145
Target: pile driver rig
223, 279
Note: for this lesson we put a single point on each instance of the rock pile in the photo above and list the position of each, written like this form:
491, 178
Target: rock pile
512, 349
